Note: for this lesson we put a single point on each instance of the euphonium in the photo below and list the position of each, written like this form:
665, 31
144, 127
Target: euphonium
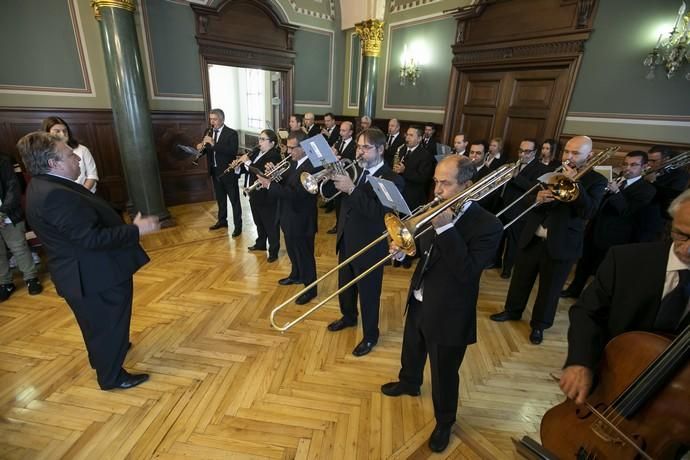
313, 183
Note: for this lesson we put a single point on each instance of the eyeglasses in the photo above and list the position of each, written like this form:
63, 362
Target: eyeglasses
366, 147
679, 236
264, 139
525, 150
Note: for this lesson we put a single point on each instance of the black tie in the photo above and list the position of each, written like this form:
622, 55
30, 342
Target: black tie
363, 177
674, 304
341, 148
215, 139
623, 185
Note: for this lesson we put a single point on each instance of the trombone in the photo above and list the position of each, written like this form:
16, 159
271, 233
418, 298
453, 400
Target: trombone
402, 231
679, 161
564, 188
275, 175
313, 183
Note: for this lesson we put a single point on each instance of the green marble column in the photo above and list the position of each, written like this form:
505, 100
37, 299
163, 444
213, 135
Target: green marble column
130, 106
371, 35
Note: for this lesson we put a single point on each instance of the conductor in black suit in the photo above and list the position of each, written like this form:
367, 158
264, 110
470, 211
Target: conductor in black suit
361, 222
264, 207
624, 297
91, 253
442, 299
297, 215
551, 242
614, 222
220, 149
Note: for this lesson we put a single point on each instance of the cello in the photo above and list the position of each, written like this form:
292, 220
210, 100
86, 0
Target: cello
640, 408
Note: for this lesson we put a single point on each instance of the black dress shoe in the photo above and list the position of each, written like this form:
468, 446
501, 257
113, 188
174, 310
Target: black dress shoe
407, 262
536, 336
363, 347
288, 281
272, 258
505, 316
396, 263
257, 248
305, 298
332, 231
237, 232
128, 380
438, 441
340, 324
570, 293
399, 388
505, 274
218, 225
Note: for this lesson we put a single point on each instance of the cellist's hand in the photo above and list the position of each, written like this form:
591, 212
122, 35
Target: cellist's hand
576, 382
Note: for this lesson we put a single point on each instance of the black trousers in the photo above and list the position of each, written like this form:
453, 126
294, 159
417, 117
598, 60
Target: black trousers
592, 257
444, 361
368, 289
512, 237
531, 261
267, 227
223, 187
300, 250
104, 320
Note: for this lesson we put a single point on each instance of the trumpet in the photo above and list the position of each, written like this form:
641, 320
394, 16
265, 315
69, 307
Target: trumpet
564, 188
313, 183
402, 232
275, 175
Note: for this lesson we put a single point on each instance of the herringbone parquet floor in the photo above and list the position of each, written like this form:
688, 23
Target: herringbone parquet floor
225, 385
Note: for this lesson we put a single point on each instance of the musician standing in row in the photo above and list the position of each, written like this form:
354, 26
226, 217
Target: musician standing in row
460, 142
264, 207
297, 217
442, 299
361, 222
344, 148
477, 156
416, 166
220, 149
330, 130
624, 298
310, 128
395, 140
551, 242
614, 222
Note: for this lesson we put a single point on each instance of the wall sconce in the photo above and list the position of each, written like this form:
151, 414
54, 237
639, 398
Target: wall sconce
673, 51
409, 70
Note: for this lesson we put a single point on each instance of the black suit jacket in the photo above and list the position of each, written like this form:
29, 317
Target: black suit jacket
566, 221
430, 145
225, 150
621, 298
89, 248
518, 185
296, 207
480, 174
419, 170
10, 191
389, 153
361, 220
451, 276
313, 131
498, 162
350, 151
261, 196
333, 138
614, 223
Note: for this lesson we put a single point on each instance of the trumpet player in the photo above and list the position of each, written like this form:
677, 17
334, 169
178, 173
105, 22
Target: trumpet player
442, 298
361, 221
220, 149
297, 217
264, 207
551, 241
614, 222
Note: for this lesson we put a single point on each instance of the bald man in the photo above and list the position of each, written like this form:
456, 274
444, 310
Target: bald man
552, 241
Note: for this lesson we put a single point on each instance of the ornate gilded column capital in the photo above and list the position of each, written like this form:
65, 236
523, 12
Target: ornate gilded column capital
124, 4
371, 34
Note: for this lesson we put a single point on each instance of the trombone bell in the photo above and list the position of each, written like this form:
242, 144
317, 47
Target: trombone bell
400, 233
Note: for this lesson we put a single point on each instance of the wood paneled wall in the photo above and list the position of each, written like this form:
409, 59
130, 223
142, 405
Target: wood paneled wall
182, 182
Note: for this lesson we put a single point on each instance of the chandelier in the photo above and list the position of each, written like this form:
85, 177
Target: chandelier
673, 51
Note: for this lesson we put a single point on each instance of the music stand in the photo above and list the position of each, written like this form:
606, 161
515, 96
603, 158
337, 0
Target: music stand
318, 151
389, 195
191, 151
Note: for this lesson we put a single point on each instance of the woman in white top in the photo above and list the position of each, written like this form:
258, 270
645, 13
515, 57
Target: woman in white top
89, 175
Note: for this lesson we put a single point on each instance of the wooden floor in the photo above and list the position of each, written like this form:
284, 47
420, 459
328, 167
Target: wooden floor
225, 385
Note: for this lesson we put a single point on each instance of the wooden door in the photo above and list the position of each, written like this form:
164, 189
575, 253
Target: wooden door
512, 104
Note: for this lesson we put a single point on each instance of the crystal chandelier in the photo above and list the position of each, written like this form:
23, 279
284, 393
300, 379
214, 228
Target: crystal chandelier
673, 51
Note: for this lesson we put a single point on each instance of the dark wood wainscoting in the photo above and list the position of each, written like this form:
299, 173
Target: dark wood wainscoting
182, 182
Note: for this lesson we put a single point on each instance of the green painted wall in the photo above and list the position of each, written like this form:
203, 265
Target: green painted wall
612, 77
44, 55
313, 67
175, 54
